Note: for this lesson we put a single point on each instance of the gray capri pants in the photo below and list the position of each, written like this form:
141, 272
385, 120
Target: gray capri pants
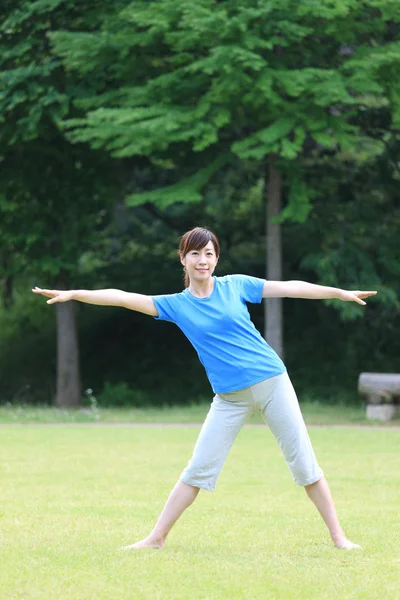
276, 399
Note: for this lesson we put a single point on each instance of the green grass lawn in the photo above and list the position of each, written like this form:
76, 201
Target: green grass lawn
315, 413
72, 495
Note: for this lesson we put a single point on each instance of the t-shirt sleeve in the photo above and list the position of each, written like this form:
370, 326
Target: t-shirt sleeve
250, 288
166, 307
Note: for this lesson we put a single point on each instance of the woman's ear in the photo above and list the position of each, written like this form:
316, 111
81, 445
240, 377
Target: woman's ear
182, 259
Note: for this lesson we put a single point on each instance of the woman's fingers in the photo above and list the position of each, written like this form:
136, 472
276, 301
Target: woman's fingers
359, 301
54, 295
358, 296
48, 293
361, 295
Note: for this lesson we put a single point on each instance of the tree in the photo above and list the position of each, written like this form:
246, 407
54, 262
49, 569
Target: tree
194, 84
54, 197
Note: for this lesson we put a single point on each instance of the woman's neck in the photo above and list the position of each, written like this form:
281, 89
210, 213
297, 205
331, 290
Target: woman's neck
202, 289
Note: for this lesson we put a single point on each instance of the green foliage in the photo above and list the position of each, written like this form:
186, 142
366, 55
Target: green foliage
227, 72
346, 241
186, 190
299, 201
54, 206
54, 197
201, 95
121, 395
353, 229
191, 81
27, 351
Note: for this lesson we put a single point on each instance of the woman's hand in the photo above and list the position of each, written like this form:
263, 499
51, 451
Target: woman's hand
355, 296
54, 295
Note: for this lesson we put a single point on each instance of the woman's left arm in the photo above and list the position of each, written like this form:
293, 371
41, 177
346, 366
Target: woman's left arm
310, 291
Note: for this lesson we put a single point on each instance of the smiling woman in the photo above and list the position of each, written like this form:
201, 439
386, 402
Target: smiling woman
245, 373
199, 253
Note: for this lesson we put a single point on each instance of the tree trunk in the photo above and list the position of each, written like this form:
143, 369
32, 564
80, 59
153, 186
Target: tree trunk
273, 306
68, 372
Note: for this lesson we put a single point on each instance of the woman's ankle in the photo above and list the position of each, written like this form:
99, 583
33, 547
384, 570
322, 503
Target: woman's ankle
157, 536
338, 537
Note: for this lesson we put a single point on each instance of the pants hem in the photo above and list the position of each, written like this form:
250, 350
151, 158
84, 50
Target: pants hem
311, 480
201, 485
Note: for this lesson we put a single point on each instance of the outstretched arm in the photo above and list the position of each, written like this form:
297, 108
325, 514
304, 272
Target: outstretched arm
138, 302
302, 289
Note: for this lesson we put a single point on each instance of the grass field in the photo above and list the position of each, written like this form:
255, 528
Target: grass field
73, 494
314, 413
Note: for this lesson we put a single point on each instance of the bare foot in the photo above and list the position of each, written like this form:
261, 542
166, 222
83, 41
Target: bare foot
146, 543
345, 544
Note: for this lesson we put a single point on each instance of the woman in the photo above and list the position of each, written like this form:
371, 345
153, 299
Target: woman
245, 373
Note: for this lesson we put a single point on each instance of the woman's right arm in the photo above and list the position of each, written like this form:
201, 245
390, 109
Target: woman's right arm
139, 302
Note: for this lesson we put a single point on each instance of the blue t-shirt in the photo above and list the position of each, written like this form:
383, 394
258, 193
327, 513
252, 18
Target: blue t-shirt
231, 349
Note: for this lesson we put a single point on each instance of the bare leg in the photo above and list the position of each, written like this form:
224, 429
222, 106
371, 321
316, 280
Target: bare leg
320, 494
182, 496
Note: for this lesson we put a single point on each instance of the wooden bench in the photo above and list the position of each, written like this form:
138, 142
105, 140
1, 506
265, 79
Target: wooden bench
383, 395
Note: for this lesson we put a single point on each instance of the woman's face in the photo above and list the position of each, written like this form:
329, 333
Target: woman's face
200, 264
